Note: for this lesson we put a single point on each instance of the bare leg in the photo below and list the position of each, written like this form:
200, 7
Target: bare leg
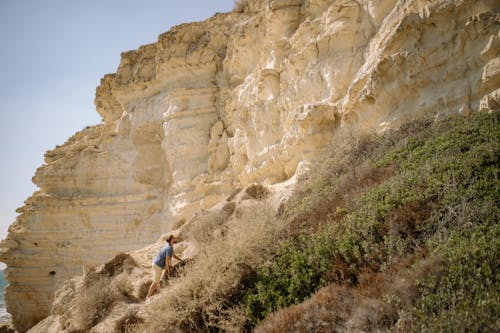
152, 289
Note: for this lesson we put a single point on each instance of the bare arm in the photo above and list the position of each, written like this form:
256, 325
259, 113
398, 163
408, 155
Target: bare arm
176, 257
167, 263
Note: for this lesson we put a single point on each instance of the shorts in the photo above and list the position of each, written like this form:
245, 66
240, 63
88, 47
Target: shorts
156, 272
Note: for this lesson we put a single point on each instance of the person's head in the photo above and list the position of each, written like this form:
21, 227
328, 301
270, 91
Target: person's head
171, 240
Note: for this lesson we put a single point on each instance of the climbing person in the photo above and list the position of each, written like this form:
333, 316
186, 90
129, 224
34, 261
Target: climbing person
162, 263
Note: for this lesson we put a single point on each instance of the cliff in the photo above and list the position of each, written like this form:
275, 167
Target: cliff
241, 98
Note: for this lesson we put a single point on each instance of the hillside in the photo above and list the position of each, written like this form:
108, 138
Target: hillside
216, 132
393, 232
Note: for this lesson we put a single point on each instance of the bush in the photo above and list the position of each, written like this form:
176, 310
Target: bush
129, 322
466, 296
95, 303
295, 273
102, 290
209, 225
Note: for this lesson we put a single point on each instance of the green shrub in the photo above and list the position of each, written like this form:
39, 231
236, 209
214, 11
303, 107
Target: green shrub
295, 273
466, 296
450, 165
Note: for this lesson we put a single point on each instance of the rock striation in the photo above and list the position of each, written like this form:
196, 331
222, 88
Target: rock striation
241, 98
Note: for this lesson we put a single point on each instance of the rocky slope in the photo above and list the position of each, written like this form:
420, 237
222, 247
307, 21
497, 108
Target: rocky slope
241, 98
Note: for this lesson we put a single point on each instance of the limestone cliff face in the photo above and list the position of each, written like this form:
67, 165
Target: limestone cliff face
240, 98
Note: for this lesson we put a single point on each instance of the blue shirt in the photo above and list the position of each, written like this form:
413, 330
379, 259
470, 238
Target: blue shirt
166, 251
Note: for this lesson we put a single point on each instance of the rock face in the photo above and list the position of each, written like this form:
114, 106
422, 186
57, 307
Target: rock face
240, 98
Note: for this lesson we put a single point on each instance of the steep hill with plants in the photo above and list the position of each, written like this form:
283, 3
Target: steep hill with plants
391, 232
214, 133
403, 235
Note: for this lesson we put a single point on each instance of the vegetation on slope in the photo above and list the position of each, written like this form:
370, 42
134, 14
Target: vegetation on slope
208, 296
435, 217
395, 232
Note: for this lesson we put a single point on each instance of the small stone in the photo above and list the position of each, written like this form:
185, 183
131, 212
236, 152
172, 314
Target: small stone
464, 111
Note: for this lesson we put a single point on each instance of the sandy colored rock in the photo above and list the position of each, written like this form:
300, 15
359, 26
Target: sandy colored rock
241, 98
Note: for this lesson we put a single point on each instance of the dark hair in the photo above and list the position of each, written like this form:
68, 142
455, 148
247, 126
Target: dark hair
170, 238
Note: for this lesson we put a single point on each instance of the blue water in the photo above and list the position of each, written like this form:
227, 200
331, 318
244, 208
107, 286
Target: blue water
4, 316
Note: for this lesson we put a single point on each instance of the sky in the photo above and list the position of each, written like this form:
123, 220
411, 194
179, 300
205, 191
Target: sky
53, 54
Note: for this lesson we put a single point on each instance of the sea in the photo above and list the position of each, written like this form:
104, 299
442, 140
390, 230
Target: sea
4, 316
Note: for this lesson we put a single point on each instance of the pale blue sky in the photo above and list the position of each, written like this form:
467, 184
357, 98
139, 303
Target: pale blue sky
53, 54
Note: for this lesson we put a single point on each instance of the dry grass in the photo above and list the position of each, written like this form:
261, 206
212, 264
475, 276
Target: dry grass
102, 290
240, 5
212, 224
95, 302
404, 221
209, 295
143, 289
129, 322
256, 191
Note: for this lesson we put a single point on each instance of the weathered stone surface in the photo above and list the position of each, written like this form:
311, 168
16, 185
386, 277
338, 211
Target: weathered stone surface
241, 98
490, 102
7, 328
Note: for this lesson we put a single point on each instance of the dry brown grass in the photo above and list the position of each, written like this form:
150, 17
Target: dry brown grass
256, 191
405, 220
239, 5
95, 303
143, 289
120, 263
129, 322
209, 295
102, 290
211, 224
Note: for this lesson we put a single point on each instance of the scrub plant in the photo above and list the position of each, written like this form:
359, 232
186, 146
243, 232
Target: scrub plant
439, 203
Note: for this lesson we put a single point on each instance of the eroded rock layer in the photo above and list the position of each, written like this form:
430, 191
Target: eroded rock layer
240, 98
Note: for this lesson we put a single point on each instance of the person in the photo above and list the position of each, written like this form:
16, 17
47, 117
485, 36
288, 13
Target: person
162, 264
